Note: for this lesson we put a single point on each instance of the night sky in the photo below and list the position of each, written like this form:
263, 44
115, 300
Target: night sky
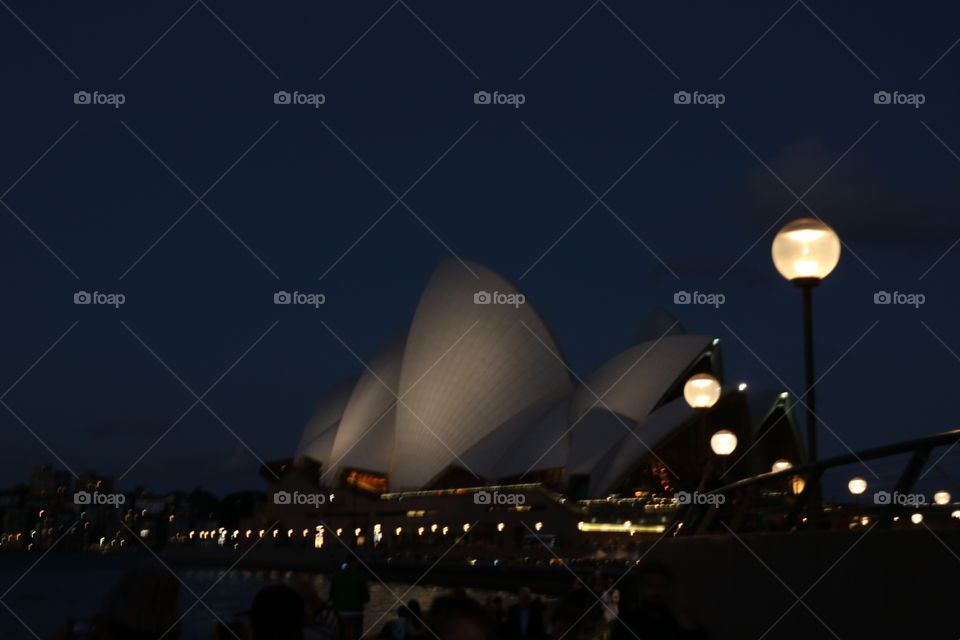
293, 197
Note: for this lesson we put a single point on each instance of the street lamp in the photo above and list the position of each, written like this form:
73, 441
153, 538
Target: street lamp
780, 465
941, 497
857, 486
723, 442
701, 391
805, 251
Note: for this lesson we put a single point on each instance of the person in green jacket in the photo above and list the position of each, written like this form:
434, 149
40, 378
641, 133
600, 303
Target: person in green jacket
349, 594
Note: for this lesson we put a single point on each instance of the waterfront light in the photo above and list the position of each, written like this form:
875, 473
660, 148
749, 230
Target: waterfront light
742, 386
857, 486
445, 530
538, 526
806, 248
781, 465
500, 526
956, 514
916, 518
466, 527
420, 531
398, 530
723, 442
701, 391
941, 497
797, 484
433, 528
356, 531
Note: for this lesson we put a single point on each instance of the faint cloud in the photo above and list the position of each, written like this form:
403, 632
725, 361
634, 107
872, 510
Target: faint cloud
864, 202
710, 268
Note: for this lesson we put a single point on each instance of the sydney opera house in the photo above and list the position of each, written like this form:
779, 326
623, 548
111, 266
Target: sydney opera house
476, 393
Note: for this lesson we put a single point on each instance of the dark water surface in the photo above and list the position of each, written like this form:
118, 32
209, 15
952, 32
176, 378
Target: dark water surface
73, 586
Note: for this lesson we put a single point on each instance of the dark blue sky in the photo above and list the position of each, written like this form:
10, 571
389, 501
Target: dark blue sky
800, 101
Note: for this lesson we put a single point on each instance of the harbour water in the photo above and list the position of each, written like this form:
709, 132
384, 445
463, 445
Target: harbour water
42, 595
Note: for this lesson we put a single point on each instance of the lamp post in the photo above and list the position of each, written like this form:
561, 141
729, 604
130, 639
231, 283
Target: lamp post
701, 392
805, 251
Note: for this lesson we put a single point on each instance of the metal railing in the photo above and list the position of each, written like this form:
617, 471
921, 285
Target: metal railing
807, 505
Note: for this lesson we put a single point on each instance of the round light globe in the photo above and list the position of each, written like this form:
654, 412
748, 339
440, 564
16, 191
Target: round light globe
956, 514
857, 486
941, 497
806, 248
916, 518
701, 391
723, 442
781, 465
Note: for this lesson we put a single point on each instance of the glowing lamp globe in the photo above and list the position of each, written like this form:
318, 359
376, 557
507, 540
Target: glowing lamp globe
955, 514
723, 442
806, 249
781, 465
857, 486
941, 497
916, 518
701, 391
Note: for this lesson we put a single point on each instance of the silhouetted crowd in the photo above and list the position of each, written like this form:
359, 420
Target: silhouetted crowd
641, 606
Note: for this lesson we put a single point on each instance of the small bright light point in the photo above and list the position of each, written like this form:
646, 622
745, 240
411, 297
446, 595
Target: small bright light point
806, 248
742, 386
941, 497
701, 391
781, 465
500, 526
538, 526
956, 514
857, 486
916, 518
723, 442
466, 527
